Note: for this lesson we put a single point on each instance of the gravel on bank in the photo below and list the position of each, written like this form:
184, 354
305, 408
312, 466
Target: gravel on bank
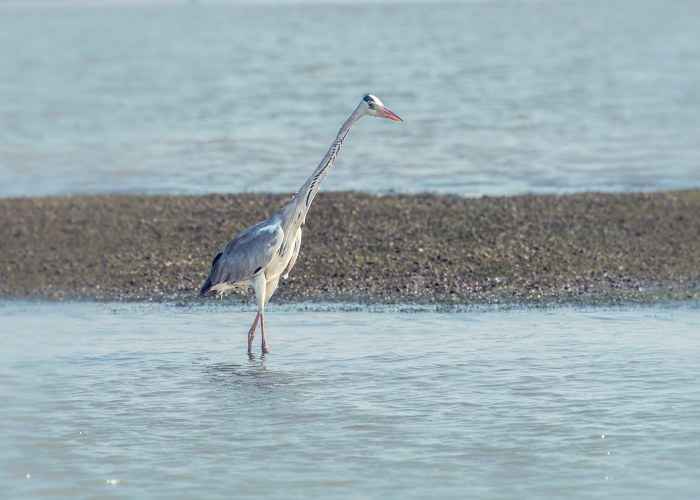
582, 248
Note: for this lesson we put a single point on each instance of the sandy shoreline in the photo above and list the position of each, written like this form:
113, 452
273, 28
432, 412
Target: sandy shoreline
583, 248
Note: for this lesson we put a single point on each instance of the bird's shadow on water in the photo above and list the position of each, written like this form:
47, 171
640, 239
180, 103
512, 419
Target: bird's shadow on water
251, 378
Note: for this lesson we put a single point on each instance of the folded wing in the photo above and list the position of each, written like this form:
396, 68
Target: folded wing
247, 255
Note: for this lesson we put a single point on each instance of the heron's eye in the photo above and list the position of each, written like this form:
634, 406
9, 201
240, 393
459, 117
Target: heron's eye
371, 104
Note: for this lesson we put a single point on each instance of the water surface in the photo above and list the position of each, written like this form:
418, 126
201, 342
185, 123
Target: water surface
151, 401
499, 97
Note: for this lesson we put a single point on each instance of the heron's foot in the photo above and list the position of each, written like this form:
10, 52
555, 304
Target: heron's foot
265, 349
251, 336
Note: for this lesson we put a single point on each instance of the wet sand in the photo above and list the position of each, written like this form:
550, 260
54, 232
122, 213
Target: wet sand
583, 248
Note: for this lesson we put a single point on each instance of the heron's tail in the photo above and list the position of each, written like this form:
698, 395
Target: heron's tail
208, 284
205, 287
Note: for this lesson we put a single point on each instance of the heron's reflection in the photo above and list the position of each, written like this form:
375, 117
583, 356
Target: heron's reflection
251, 378
254, 358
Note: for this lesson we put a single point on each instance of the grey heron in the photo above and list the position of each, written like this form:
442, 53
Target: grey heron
263, 253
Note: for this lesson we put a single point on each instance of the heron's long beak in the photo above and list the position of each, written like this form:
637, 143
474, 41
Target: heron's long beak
387, 113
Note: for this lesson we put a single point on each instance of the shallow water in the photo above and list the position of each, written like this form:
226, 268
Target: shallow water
156, 401
499, 97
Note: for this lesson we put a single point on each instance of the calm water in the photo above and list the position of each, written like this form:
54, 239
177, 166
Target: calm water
162, 402
499, 97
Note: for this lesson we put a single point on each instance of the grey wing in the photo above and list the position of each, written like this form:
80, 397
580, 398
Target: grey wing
295, 254
246, 255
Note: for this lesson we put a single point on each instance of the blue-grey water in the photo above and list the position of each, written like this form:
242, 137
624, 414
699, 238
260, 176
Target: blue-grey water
499, 96
148, 401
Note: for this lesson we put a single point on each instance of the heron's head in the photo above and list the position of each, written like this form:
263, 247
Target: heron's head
372, 106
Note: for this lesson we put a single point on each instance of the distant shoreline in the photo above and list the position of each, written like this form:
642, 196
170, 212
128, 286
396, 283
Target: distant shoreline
419, 249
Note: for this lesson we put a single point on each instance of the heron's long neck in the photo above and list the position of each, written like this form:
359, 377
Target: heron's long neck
302, 200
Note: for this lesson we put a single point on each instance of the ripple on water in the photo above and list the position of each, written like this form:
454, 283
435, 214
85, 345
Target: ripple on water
153, 401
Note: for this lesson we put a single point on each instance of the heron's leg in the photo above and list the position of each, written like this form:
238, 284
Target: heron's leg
259, 285
265, 348
251, 332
